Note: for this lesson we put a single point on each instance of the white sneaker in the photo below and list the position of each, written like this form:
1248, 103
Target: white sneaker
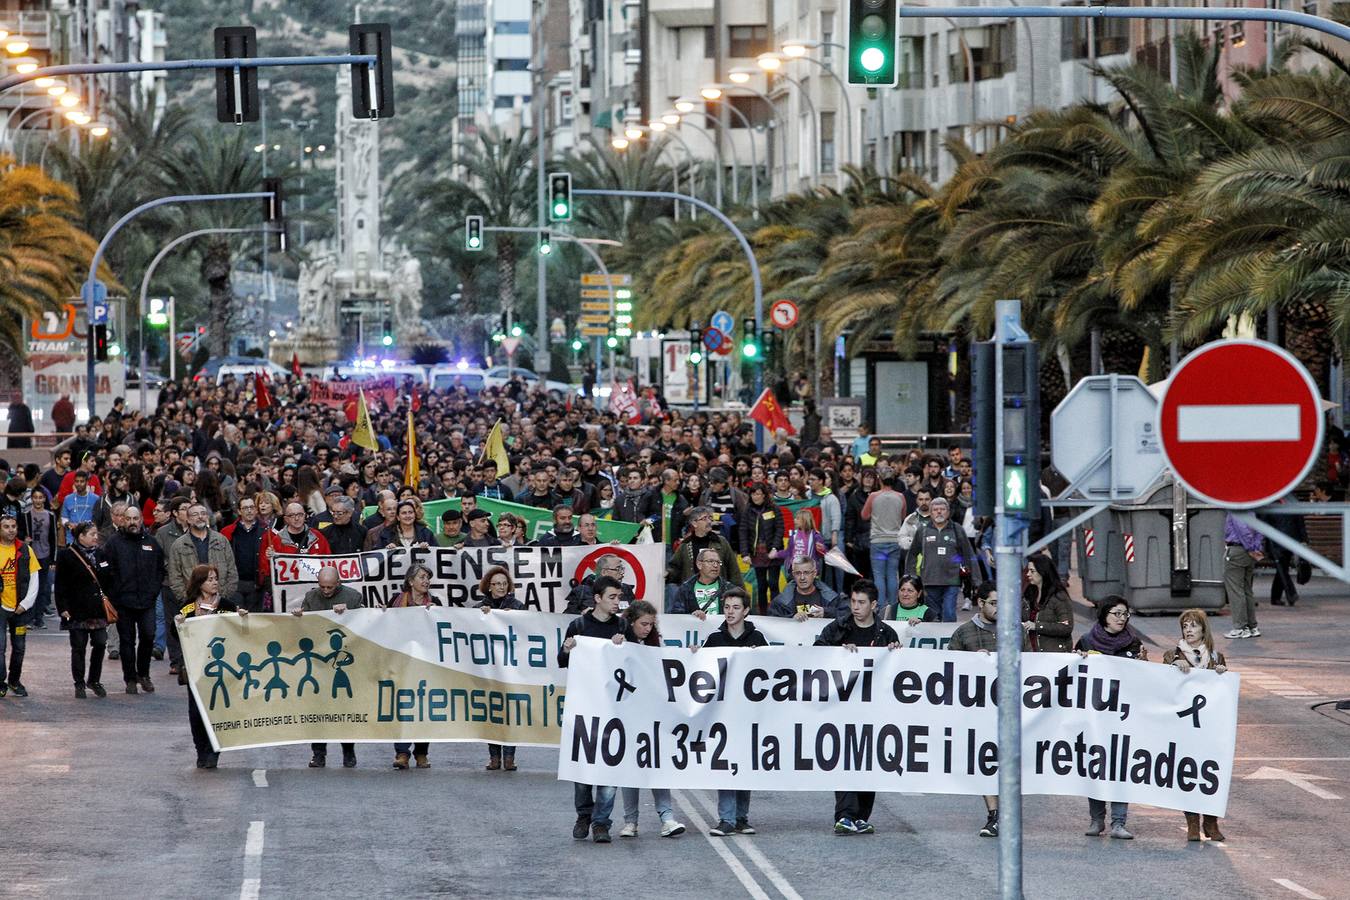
671, 828
1238, 633
966, 605
629, 830
1253, 632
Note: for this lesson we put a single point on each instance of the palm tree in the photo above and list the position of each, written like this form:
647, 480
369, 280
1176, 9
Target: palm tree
44, 254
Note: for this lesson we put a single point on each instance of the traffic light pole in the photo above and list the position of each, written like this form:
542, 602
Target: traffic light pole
1009, 560
173, 65
88, 290
757, 283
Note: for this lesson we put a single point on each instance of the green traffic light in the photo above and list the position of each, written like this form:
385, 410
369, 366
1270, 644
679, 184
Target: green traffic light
474, 243
560, 209
545, 248
577, 345
872, 59
695, 357
516, 331
387, 340
611, 342
750, 350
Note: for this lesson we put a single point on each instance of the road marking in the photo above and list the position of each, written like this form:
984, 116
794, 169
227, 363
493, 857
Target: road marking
1298, 889
737, 868
253, 849
1297, 779
260, 778
1228, 423
748, 847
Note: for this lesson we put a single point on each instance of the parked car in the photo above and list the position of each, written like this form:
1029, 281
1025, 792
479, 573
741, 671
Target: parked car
445, 377
498, 376
240, 371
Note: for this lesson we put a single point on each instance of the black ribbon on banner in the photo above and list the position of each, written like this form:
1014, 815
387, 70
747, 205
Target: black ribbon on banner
625, 686
1197, 704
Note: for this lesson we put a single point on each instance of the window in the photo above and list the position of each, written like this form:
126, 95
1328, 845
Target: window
827, 142
755, 110
513, 65
913, 152
504, 101
747, 41
565, 107
709, 42
827, 28
992, 51
1112, 36
911, 62
511, 27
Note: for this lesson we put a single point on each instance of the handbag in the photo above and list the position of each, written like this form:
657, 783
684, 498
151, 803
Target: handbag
109, 611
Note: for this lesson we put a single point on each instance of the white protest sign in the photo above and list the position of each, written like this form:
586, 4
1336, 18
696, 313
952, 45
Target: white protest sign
875, 720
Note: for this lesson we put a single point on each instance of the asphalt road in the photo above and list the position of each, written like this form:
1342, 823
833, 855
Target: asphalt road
101, 799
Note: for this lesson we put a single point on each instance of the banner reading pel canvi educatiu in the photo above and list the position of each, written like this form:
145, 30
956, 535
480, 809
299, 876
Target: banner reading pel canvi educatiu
420, 674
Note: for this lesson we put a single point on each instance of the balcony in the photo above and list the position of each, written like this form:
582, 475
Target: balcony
681, 13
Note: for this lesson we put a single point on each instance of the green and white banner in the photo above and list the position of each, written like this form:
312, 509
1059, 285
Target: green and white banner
538, 522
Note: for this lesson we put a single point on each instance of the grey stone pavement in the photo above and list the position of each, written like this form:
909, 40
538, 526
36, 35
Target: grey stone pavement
101, 799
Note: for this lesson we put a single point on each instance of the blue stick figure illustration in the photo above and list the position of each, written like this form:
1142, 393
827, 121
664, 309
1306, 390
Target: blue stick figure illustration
307, 656
274, 659
340, 658
216, 669
246, 669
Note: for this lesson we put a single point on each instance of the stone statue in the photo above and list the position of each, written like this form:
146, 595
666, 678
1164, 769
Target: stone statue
317, 309
406, 295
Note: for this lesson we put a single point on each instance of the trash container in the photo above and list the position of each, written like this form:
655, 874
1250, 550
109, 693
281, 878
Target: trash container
1103, 569
1154, 582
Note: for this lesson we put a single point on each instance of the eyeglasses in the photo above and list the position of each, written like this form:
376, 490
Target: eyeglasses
1120, 614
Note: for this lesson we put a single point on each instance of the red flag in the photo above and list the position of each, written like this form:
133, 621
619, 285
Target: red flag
261, 395
768, 413
623, 403
416, 399
295, 365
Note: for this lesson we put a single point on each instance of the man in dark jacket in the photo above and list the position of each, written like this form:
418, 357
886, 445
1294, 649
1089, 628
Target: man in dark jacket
733, 807
703, 593
133, 578
628, 504
245, 535
664, 507
582, 597
861, 628
807, 597
603, 622
563, 533
939, 552
344, 534
331, 595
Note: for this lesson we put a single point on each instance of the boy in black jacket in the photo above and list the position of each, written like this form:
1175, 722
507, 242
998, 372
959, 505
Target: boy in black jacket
733, 807
862, 628
603, 622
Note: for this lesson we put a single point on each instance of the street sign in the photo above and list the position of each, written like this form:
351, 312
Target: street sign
596, 279
723, 322
510, 344
596, 294
95, 295
1241, 423
595, 307
593, 318
713, 339
784, 313
1104, 437
594, 331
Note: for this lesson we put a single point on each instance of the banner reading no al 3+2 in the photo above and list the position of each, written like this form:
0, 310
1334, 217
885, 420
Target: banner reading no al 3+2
876, 720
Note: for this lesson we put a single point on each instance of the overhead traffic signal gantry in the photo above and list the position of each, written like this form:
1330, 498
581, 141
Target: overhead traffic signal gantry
237, 89
274, 213
560, 197
873, 39
372, 86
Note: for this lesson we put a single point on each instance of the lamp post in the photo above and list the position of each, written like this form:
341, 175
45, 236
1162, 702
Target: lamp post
773, 112
799, 50
773, 64
712, 93
672, 120
754, 158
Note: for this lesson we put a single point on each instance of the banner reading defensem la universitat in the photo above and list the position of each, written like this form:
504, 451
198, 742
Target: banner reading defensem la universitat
543, 575
877, 720
437, 674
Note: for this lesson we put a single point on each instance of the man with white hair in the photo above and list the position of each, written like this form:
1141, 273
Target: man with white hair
938, 555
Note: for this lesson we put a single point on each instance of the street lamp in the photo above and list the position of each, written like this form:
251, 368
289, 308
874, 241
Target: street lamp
709, 92
801, 50
78, 116
769, 62
739, 76
24, 64
619, 143
16, 45
98, 129
772, 62
68, 100
656, 125
671, 117
633, 132
685, 104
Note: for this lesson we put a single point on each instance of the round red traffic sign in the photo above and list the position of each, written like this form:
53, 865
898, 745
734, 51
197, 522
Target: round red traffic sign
1240, 423
784, 313
713, 339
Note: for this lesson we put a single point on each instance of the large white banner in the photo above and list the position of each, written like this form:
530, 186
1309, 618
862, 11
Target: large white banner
776, 718
543, 575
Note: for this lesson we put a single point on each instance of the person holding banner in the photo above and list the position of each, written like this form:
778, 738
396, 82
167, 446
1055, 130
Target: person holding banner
602, 622
701, 594
331, 594
862, 628
1049, 621
416, 592
761, 536
1111, 636
498, 592
807, 597
1195, 650
640, 628
912, 607
479, 520
204, 598
733, 807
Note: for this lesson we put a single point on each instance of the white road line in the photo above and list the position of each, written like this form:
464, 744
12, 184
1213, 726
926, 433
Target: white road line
260, 778
253, 849
1298, 889
737, 868
1238, 422
747, 845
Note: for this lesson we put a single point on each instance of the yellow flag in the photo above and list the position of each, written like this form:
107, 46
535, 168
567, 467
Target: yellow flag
363, 435
412, 473
494, 448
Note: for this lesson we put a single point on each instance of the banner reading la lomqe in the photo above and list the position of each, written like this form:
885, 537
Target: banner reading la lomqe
437, 674
876, 720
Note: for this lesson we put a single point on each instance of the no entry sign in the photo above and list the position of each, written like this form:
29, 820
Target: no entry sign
1240, 423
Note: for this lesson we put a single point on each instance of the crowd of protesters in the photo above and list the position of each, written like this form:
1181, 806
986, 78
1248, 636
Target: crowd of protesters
141, 520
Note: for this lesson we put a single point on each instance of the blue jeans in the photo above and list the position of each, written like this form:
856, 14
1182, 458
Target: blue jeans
159, 622
660, 797
886, 571
597, 810
1097, 809
943, 597
733, 806
44, 595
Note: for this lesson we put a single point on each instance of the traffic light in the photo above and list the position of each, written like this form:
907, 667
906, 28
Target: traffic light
157, 317
577, 344
696, 345
98, 342
560, 197
749, 340
274, 213
767, 350
387, 337
473, 232
545, 243
1019, 491
236, 89
612, 339
372, 86
516, 330
872, 42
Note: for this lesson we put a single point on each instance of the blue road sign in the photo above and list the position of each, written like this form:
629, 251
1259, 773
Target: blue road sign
723, 322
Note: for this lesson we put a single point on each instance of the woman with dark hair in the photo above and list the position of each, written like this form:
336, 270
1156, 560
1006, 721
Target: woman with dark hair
79, 602
1111, 636
310, 490
210, 494
416, 592
204, 599
407, 530
118, 491
911, 604
762, 535
1049, 612
497, 591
